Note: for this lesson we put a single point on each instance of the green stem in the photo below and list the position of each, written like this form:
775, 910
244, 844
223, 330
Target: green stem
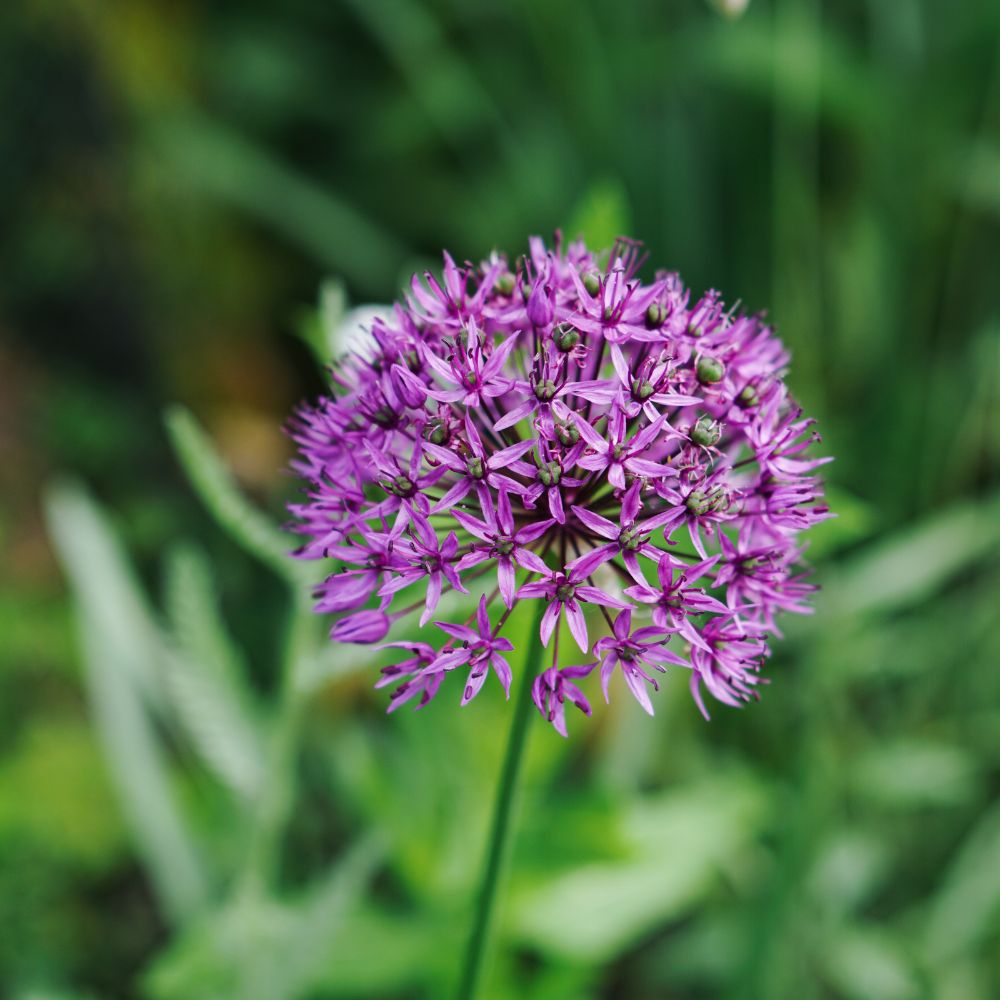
499, 843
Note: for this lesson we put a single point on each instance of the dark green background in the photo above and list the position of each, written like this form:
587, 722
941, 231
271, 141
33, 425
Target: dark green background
176, 180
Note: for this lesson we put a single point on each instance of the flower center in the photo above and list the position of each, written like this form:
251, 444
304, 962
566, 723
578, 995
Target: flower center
544, 391
550, 474
401, 486
642, 389
565, 591
629, 538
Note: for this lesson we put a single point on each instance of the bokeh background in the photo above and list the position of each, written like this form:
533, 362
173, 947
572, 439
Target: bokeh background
198, 799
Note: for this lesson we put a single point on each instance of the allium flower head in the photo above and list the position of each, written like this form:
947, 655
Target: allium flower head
554, 430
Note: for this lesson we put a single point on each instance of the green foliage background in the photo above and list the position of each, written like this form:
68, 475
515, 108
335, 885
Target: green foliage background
199, 798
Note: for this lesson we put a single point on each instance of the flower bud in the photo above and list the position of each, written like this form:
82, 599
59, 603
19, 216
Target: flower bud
540, 308
706, 432
545, 391
362, 627
710, 370
748, 397
550, 474
656, 316
436, 432
401, 486
565, 337
505, 283
568, 433
592, 283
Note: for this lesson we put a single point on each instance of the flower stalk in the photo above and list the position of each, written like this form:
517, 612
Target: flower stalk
498, 848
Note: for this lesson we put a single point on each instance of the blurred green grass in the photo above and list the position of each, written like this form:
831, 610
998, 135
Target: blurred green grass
176, 181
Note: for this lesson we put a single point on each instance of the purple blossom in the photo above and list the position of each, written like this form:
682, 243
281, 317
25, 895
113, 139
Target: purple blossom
480, 649
727, 662
632, 651
553, 688
559, 430
362, 627
565, 591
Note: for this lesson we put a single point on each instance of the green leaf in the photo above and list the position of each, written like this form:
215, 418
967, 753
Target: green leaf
866, 963
260, 949
318, 327
911, 773
596, 911
209, 156
119, 649
913, 564
602, 215
967, 907
206, 678
217, 489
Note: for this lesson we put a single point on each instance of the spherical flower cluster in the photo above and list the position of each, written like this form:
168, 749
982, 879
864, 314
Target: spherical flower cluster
554, 430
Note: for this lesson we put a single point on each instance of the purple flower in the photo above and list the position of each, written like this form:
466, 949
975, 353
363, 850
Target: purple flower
479, 648
505, 544
362, 627
557, 429
425, 555
632, 651
727, 662
615, 455
565, 591
553, 688
675, 601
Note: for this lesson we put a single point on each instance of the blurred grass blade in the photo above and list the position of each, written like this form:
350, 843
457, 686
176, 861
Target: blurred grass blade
325, 909
913, 565
259, 948
114, 642
596, 911
318, 326
231, 168
967, 907
214, 483
867, 963
207, 678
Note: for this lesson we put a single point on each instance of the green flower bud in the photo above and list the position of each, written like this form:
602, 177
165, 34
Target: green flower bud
592, 283
567, 433
545, 391
642, 389
436, 432
748, 397
401, 486
550, 474
706, 432
565, 337
505, 284
656, 316
475, 467
698, 503
710, 370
